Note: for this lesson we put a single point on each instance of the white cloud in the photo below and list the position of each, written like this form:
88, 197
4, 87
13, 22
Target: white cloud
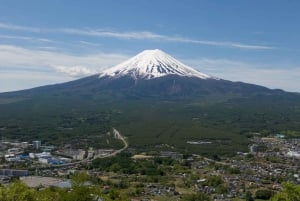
219, 43
120, 35
146, 35
14, 57
137, 35
19, 28
275, 76
22, 68
25, 79
75, 71
250, 47
26, 38
89, 43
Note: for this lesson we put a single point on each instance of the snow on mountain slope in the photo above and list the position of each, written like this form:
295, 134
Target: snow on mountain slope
151, 64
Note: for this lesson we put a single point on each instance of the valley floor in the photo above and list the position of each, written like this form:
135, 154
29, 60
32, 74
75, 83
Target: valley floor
169, 175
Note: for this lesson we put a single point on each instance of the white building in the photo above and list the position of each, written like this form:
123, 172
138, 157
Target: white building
79, 154
293, 154
32, 155
44, 160
37, 144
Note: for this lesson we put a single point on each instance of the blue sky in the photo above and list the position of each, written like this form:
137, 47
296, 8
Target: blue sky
46, 42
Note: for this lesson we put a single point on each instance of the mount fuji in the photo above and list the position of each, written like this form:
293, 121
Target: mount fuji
151, 64
152, 99
155, 74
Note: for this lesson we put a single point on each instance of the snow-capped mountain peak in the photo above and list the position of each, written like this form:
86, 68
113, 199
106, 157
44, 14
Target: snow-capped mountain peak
151, 64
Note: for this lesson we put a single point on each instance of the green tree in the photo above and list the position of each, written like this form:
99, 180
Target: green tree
289, 192
51, 194
213, 181
17, 191
234, 171
221, 189
263, 194
82, 190
249, 196
196, 197
79, 179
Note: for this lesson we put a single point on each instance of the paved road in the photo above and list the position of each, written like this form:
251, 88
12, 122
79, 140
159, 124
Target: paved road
120, 137
214, 161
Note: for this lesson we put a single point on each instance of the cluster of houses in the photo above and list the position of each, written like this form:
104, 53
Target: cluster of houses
47, 158
158, 189
16, 153
273, 160
80, 154
276, 146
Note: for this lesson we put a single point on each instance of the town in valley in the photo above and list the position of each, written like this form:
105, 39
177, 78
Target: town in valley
259, 173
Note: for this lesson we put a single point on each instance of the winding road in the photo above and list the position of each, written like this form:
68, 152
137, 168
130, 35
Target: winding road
120, 137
